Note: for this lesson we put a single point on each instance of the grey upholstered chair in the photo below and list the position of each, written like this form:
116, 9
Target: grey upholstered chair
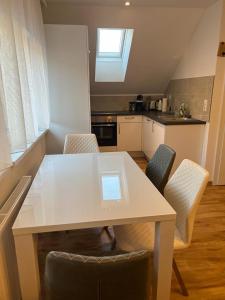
78, 277
159, 167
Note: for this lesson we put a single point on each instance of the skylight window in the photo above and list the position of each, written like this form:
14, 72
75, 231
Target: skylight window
112, 55
110, 42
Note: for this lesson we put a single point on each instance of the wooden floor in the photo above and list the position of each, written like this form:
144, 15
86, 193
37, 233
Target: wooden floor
202, 265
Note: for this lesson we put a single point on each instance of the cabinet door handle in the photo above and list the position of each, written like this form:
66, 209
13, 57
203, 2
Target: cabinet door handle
119, 128
129, 118
103, 125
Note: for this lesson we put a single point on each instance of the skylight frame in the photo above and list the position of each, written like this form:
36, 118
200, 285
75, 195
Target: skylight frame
111, 55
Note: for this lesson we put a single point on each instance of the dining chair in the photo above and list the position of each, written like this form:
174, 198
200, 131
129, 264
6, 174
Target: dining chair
160, 165
80, 143
184, 192
124, 276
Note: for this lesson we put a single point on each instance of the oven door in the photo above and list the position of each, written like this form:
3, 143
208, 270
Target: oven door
106, 133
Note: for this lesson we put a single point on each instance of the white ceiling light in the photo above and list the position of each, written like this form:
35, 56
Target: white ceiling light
127, 3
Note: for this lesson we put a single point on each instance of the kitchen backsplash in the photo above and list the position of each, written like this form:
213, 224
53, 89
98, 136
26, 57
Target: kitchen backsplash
193, 92
116, 102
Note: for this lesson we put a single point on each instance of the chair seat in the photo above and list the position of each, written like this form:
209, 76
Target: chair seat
141, 236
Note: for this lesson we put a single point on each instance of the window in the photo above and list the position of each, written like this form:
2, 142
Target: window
24, 109
110, 43
112, 55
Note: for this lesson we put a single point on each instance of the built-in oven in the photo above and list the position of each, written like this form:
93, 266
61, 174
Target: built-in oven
105, 129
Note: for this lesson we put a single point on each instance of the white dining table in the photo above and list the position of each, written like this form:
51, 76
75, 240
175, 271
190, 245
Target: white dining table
75, 191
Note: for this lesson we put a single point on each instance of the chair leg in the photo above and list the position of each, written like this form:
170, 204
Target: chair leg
113, 247
180, 279
106, 228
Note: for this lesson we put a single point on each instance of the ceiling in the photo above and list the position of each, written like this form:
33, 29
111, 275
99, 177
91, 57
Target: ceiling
161, 36
165, 3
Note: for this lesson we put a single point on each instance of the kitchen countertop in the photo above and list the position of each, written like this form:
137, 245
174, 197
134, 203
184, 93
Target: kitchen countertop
162, 118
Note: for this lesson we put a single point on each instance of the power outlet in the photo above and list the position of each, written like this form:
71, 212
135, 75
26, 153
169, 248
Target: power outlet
205, 105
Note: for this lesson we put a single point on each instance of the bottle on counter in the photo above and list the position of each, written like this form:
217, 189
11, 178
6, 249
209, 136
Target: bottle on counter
152, 105
164, 104
159, 107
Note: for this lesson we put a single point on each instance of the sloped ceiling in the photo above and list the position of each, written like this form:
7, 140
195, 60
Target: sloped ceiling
160, 38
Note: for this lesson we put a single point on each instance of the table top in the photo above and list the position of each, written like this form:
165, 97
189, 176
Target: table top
75, 191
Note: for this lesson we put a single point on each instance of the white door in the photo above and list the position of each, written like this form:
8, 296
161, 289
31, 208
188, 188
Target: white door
129, 136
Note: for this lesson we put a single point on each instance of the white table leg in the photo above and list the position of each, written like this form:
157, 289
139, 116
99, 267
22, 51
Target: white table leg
162, 259
27, 260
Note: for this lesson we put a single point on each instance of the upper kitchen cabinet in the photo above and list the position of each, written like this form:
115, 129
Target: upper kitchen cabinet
68, 65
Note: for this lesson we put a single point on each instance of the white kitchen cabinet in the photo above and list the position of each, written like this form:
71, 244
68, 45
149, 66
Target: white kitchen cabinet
158, 136
153, 135
147, 136
186, 140
129, 133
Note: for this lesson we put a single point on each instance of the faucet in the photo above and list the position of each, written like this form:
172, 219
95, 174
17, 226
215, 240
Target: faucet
183, 111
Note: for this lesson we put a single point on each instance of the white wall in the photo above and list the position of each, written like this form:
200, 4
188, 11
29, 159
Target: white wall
68, 65
200, 57
109, 71
216, 138
199, 60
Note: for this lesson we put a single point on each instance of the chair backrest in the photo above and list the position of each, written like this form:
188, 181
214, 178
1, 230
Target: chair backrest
160, 165
9, 281
71, 276
184, 192
80, 143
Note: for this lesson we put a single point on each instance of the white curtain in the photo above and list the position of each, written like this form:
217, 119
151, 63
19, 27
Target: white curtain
23, 75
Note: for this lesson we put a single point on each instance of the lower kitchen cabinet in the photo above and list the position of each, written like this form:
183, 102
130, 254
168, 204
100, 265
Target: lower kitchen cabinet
129, 133
152, 136
147, 136
186, 140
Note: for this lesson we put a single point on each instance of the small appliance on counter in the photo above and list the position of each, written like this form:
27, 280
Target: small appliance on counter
159, 106
152, 105
164, 104
132, 105
137, 105
140, 103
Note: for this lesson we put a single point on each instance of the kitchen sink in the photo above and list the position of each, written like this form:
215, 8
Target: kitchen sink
172, 118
